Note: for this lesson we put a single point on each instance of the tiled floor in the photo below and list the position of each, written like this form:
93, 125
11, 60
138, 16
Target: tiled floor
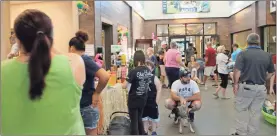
215, 117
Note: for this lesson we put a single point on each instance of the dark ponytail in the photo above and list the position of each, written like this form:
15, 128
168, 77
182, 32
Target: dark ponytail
39, 64
34, 30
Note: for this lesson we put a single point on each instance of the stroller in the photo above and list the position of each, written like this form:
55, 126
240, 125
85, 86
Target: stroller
119, 125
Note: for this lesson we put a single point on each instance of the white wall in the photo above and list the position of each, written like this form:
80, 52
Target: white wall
64, 15
236, 6
153, 10
5, 29
137, 6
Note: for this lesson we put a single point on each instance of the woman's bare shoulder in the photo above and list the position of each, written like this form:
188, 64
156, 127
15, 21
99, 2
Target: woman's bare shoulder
74, 58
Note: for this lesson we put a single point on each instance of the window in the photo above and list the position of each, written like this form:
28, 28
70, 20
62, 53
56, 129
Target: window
240, 38
194, 29
209, 29
270, 39
162, 30
179, 29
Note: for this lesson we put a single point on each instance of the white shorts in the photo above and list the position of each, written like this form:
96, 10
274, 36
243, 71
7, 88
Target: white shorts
209, 70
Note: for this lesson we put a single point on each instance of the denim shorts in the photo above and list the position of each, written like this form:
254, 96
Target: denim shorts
90, 117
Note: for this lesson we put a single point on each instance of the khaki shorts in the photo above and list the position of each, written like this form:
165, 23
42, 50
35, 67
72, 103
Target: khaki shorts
209, 70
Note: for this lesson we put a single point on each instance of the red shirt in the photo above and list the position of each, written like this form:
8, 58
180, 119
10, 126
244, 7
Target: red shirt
274, 62
211, 56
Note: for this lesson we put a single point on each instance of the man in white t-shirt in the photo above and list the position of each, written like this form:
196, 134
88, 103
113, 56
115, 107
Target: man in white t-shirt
184, 91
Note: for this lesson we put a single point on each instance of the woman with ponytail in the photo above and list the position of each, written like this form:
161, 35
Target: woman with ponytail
40, 89
91, 94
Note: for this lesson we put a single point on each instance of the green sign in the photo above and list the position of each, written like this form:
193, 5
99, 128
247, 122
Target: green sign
115, 48
175, 7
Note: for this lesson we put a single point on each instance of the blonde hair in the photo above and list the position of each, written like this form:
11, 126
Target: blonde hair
221, 49
151, 49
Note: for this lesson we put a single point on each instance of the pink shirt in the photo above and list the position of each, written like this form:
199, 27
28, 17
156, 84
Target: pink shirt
170, 58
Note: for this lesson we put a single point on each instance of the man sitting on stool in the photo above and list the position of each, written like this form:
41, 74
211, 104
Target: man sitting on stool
184, 91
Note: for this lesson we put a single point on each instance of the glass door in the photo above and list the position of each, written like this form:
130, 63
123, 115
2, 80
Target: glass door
197, 44
181, 45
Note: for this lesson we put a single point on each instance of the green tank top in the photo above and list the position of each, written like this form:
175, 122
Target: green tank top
56, 113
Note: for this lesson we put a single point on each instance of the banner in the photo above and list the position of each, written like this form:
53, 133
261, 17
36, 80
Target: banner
116, 48
89, 50
175, 7
272, 6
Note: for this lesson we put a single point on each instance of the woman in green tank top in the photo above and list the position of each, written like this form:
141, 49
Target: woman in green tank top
40, 90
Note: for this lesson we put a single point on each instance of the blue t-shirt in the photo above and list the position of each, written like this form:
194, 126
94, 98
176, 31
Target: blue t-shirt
89, 88
154, 59
235, 54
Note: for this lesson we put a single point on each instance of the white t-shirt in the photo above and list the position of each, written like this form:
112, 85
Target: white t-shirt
185, 90
221, 61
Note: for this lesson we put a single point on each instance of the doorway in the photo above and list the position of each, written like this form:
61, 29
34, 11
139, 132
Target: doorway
183, 43
107, 41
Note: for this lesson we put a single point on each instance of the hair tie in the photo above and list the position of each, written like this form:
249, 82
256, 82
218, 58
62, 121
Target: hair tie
40, 32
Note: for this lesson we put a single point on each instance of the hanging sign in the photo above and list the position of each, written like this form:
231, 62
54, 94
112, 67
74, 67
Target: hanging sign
175, 7
115, 48
90, 50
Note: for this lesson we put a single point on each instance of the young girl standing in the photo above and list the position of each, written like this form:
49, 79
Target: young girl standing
151, 112
138, 79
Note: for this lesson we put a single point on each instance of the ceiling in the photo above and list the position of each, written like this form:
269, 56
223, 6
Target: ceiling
23, 2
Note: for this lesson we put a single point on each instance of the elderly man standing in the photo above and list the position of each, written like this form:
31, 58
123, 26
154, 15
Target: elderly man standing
252, 68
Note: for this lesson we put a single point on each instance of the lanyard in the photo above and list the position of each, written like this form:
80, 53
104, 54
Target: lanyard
253, 47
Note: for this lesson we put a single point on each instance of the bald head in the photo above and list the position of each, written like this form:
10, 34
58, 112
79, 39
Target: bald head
253, 39
209, 44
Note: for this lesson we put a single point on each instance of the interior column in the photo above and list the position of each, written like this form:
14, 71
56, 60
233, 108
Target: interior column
5, 29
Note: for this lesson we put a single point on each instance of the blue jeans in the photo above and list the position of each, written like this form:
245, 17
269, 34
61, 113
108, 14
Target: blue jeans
200, 74
90, 117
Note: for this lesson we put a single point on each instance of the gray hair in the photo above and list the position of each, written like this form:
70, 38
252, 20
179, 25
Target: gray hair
173, 45
253, 38
208, 44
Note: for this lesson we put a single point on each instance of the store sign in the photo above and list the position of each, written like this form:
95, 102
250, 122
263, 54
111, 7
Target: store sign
272, 6
89, 50
175, 7
115, 48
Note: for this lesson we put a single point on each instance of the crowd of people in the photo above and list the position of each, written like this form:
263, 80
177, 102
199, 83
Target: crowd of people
47, 92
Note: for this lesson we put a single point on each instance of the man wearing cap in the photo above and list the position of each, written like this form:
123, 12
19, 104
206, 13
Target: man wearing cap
184, 91
253, 68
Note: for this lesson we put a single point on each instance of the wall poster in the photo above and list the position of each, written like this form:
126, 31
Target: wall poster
89, 50
175, 7
272, 6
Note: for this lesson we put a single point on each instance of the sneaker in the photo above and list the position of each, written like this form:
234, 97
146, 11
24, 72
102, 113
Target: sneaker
235, 133
202, 83
225, 98
215, 85
216, 95
191, 116
154, 133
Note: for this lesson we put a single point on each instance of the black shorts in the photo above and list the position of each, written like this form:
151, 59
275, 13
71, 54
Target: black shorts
151, 112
